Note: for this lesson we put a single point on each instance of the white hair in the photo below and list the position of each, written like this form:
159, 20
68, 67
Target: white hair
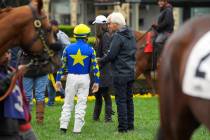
117, 17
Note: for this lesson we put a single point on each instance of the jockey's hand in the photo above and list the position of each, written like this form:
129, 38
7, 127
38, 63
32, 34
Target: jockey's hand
95, 87
58, 85
98, 59
64, 77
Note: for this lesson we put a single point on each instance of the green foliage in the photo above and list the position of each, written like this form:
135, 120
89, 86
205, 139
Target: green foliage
146, 124
67, 29
91, 40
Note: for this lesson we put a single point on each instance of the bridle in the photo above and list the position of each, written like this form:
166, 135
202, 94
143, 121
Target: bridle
41, 33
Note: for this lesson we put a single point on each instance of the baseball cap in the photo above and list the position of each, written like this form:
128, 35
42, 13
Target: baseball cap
101, 19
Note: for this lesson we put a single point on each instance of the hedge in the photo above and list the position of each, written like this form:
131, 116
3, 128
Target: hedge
69, 31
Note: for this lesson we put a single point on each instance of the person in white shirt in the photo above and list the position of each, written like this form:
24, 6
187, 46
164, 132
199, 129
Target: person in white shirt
65, 41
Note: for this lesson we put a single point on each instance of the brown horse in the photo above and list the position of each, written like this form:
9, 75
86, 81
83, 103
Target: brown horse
26, 26
181, 114
143, 59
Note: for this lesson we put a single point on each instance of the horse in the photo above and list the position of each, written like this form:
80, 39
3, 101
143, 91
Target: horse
28, 27
143, 59
182, 109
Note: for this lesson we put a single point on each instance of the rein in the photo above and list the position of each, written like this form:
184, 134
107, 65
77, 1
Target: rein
40, 31
144, 34
15, 76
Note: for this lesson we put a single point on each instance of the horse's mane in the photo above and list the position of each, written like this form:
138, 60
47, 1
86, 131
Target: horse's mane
4, 12
40, 5
138, 35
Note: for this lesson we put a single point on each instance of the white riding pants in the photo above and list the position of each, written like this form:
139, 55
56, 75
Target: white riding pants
75, 85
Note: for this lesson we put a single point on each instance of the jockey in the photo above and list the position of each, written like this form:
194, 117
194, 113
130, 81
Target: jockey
14, 113
78, 58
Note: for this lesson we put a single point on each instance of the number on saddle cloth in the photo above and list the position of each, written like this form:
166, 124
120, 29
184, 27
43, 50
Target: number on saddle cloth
196, 79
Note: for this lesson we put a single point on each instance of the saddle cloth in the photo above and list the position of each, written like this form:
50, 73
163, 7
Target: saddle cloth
196, 80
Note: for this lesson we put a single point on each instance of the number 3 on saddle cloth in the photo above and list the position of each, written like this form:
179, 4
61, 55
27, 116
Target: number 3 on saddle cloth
15, 105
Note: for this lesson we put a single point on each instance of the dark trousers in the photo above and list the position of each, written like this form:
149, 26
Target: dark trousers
124, 101
158, 47
103, 92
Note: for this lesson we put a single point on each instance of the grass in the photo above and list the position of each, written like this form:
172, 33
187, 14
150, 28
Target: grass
146, 124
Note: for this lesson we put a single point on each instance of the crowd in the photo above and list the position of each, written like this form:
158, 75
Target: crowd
113, 60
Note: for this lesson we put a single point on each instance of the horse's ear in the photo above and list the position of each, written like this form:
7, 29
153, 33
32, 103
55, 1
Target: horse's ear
40, 5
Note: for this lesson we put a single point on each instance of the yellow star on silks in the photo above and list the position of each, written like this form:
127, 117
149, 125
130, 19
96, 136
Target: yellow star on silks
78, 58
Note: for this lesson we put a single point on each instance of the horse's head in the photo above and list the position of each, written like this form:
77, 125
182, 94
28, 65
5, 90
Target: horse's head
37, 35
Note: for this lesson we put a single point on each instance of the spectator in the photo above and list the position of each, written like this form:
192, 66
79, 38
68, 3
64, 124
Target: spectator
36, 80
164, 27
103, 38
64, 40
122, 58
77, 59
14, 113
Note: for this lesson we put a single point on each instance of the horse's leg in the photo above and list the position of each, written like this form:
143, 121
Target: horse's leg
149, 80
184, 121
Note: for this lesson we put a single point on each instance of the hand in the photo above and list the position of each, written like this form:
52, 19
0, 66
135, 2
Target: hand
58, 85
97, 59
154, 26
22, 69
95, 87
63, 78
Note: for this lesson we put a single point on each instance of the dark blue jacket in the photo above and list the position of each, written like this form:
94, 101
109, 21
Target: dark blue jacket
166, 20
122, 53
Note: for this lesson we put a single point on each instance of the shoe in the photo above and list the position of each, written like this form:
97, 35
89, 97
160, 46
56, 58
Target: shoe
130, 129
96, 119
63, 130
77, 133
108, 120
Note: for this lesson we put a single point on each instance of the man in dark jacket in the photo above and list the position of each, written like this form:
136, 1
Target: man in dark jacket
164, 26
122, 58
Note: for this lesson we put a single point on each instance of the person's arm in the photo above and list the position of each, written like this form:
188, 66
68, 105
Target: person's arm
96, 72
114, 50
168, 19
62, 70
64, 39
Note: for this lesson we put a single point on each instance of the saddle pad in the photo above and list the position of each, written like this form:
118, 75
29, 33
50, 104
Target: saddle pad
196, 80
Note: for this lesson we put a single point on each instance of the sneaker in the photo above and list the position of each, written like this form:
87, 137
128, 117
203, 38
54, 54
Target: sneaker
108, 120
77, 133
63, 130
130, 129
